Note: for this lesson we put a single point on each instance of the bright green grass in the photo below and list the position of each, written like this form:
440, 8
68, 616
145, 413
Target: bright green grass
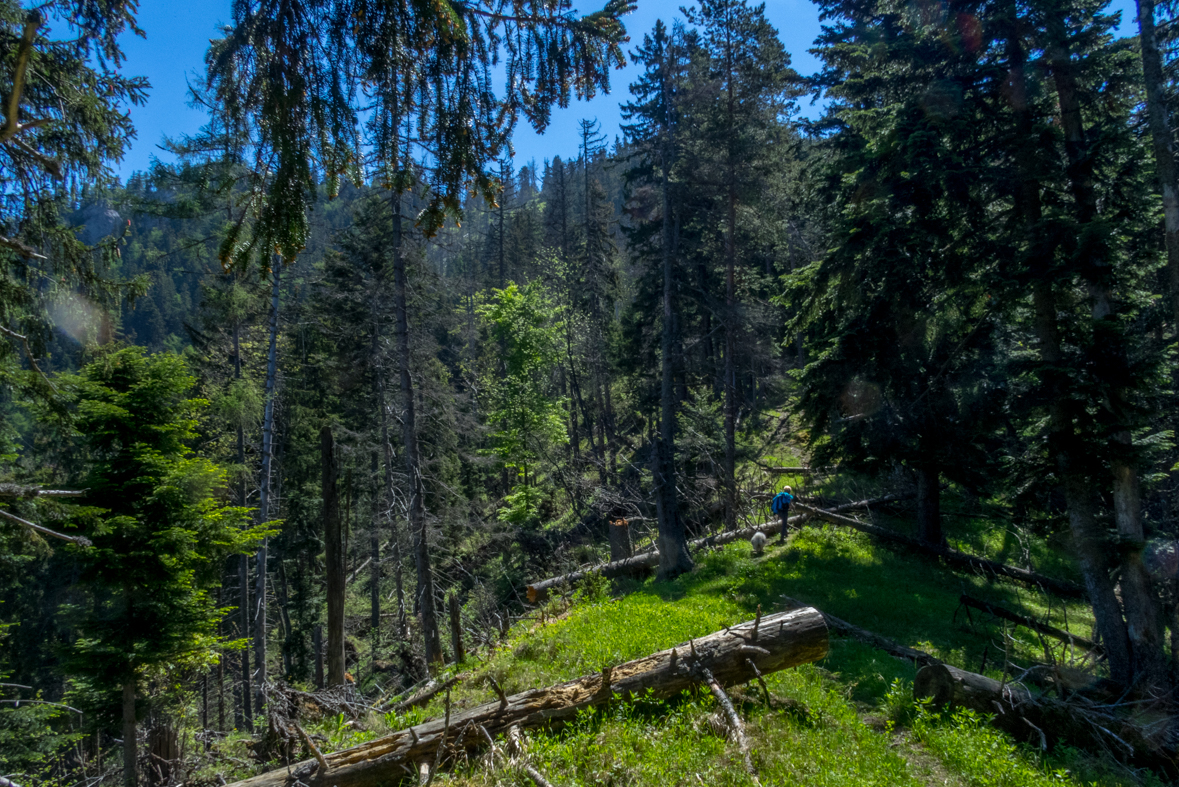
816, 732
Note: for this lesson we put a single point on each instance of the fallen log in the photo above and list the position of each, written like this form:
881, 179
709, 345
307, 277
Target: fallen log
797, 470
422, 697
770, 643
953, 557
1046, 721
868, 638
1031, 623
645, 561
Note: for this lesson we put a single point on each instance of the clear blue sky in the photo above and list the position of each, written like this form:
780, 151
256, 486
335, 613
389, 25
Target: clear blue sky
178, 34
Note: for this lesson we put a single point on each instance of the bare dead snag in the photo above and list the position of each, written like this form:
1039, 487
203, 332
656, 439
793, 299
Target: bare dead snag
790, 638
441, 744
422, 697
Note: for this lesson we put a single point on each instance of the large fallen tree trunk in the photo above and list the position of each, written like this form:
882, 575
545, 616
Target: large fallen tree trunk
1138, 738
1031, 623
732, 656
953, 557
538, 591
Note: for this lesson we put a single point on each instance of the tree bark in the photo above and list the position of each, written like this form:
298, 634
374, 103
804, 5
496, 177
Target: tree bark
417, 509
130, 734
317, 646
456, 629
333, 559
1164, 153
775, 642
1062, 443
1143, 624
245, 719
673, 540
929, 515
621, 546
264, 495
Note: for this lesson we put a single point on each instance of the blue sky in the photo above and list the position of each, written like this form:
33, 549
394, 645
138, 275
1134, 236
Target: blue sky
178, 34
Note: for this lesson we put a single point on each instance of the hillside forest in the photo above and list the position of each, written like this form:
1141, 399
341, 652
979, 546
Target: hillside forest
295, 421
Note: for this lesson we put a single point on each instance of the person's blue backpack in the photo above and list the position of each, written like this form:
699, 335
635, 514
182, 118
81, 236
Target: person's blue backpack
781, 502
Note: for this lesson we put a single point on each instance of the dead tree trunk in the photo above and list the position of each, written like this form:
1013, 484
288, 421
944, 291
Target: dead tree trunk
929, 515
456, 628
264, 495
130, 734
736, 655
1046, 721
334, 560
621, 546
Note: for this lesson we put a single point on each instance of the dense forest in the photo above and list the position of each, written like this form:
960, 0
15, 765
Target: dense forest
306, 408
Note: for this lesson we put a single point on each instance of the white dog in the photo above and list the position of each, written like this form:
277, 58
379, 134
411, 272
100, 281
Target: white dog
759, 542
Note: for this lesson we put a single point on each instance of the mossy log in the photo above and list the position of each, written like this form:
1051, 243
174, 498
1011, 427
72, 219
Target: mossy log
732, 656
1136, 734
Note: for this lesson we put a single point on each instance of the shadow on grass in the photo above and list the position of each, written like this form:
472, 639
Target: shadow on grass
909, 599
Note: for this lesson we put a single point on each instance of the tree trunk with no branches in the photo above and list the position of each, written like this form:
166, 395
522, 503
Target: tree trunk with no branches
334, 560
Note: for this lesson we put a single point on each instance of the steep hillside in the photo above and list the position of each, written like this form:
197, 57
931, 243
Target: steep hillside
849, 719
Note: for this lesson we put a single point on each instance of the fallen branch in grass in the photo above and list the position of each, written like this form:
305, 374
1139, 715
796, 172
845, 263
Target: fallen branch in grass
787, 639
538, 591
1031, 623
953, 557
734, 720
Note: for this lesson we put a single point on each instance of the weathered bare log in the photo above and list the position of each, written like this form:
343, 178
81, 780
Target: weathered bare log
784, 640
1031, 623
953, 557
28, 492
81, 541
797, 470
645, 561
422, 697
1046, 721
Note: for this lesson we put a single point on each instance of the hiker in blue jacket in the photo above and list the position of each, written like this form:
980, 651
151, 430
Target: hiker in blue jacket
780, 505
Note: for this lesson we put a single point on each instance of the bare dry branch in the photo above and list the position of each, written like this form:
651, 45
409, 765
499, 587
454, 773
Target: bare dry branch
81, 541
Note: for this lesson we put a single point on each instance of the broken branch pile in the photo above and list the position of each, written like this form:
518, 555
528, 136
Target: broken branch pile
732, 656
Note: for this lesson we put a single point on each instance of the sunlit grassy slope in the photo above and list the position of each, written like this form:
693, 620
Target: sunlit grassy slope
845, 721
